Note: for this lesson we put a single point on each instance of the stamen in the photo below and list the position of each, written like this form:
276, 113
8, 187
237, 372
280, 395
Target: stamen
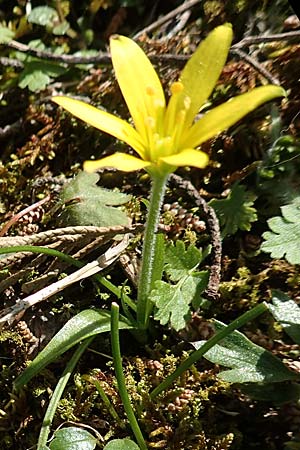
150, 122
176, 87
163, 147
175, 103
178, 129
187, 102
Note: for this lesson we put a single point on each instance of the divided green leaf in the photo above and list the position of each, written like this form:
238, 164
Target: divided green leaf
283, 239
287, 312
172, 301
250, 363
236, 212
179, 260
38, 74
88, 204
73, 438
6, 35
43, 15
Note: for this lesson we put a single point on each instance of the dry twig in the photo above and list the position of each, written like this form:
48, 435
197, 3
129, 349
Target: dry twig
214, 230
8, 315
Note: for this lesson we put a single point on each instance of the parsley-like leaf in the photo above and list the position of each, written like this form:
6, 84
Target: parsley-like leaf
236, 212
180, 260
172, 301
283, 239
287, 312
6, 35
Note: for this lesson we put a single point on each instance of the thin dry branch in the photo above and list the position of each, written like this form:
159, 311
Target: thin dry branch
162, 20
212, 290
8, 315
104, 57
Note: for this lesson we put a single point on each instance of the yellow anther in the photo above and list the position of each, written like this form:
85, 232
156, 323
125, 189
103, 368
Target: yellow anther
176, 87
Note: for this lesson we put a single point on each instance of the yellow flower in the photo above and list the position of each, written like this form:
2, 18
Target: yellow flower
166, 136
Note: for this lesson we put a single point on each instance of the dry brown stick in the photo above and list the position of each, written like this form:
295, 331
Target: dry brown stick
22, 213
250, 40
106, 259
186, 5
254, 63
10, 280
104, 57
11, 62
212, 290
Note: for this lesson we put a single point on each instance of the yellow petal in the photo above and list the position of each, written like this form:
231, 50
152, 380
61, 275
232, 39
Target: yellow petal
188, 157
103, 121
202, 72
138, 81
225, 115
120, 161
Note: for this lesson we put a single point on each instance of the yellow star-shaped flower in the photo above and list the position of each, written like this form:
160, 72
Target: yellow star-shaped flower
166, 136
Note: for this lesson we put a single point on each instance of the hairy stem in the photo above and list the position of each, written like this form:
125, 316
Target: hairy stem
149, 250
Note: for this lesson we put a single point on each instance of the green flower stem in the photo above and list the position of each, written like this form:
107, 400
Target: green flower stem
116, 353
48, 418
72, 261
196, 355
149, 250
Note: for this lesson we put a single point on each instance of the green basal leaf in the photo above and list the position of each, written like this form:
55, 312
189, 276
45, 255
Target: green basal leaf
249, 362
6, 35
287, 312
121, 444
38, 74
171, 305
73, 438
180, 261
89, 322
236, 212
172, 302
89, 204
283, 239
35, 80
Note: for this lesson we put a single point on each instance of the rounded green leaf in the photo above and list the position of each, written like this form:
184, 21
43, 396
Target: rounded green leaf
73, 438
121, 444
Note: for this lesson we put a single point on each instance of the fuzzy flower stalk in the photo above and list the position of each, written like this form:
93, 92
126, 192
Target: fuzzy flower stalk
165, 135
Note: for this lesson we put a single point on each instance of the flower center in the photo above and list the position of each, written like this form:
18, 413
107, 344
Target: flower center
164, 127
